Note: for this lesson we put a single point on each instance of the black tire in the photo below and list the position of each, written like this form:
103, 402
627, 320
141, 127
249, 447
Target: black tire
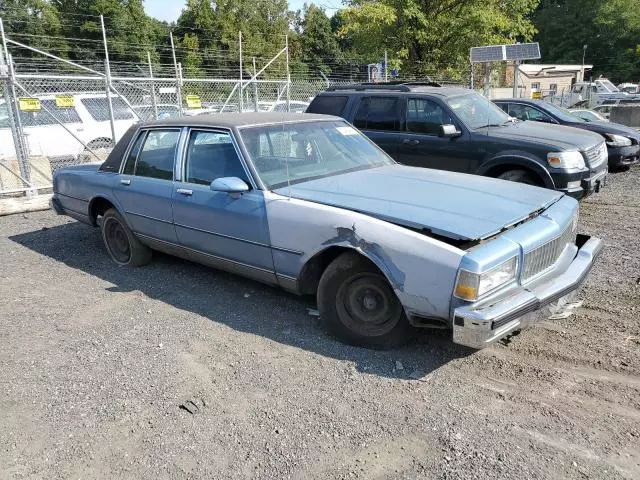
520, 176
358, 305
122, 245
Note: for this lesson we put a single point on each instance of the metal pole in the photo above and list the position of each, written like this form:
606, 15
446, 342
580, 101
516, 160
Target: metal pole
516, 70
175, 64
153, 88
240, 95
386, 67
19, 141
584, 54
286, 44
255, 86
107, 69
487, 80
471, 76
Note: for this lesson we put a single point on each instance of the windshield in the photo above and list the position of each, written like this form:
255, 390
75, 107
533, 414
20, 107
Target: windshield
477, 112
299, 152
609, 86
562, 114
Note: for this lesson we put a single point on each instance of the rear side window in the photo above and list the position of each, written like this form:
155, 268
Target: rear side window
157, 155
378, 113
130, 165
42, 117
98, 108
328, 105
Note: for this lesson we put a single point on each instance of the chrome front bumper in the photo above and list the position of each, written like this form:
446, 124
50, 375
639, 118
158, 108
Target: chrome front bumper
477, 326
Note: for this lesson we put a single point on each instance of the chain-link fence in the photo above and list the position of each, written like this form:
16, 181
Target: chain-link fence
70, 113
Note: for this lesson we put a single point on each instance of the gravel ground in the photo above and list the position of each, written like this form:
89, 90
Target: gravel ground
96, 360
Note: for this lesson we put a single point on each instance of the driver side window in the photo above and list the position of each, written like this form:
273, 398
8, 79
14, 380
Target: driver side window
211, 155
425, 116
525, 112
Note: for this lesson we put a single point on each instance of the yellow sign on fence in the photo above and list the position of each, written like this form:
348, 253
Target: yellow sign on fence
193, 101
29, 104
64, 101
536, 95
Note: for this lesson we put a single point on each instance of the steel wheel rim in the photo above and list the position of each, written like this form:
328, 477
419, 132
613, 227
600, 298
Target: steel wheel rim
117, 241
367, 305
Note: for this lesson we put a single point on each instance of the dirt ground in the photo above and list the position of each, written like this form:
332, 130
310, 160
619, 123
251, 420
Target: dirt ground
96, 360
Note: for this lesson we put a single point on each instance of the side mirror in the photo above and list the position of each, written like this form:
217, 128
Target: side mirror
450, 131
231, 185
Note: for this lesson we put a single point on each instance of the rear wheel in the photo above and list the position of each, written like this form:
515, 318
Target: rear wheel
520, 176
358, 305
122, 245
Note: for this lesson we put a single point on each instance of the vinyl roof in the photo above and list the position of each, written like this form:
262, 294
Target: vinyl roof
230, 120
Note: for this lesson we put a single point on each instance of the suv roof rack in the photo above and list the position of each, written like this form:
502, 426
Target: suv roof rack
400, 86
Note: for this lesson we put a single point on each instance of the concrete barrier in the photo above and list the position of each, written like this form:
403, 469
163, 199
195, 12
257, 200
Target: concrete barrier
628, 115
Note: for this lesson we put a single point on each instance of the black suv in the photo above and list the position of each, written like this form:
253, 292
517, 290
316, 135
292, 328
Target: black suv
623, 143
426, 125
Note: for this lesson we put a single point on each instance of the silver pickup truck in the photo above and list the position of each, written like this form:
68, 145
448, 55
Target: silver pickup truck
308, 203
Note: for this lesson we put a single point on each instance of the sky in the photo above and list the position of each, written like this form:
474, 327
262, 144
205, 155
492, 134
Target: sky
169, 10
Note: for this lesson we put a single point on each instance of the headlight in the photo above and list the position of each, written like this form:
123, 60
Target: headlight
569, 159
617, 140
471, 286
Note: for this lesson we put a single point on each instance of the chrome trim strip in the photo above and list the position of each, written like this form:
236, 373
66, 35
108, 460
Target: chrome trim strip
230, 237
198, 252
71, 196
223, 235
286, 250
148, 217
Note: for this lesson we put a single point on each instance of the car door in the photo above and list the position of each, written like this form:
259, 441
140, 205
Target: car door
225, 227
145, 186
423, 146
380, 118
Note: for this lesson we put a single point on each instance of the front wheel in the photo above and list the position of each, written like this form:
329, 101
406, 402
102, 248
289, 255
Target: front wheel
122, 245
520, 176
358, 305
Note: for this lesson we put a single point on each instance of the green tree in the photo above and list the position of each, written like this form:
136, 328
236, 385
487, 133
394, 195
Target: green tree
35, 23
427, 35
318, 43
609, 28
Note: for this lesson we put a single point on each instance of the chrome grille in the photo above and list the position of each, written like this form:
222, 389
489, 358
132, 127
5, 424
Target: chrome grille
544, 256
596, 155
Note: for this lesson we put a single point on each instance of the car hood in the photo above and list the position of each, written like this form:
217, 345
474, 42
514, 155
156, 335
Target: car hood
610, 127
567, 138
447, 204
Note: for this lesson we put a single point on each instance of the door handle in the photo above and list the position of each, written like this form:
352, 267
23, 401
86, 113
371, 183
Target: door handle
409, 141
185, 191
125, 182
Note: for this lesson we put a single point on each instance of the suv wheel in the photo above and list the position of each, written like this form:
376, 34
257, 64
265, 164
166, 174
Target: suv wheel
520, 176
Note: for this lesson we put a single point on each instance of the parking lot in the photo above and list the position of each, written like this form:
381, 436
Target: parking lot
97, 363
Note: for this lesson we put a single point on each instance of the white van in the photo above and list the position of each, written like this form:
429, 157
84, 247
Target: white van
87, 118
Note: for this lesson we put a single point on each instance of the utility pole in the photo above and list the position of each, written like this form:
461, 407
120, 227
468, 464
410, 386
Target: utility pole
584, 54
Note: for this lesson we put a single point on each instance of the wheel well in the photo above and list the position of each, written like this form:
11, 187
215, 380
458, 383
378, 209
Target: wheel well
97, 208
498, 170
314, 268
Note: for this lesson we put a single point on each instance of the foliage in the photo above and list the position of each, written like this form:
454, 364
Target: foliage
424, 35
318, 43
609, 28
420, 36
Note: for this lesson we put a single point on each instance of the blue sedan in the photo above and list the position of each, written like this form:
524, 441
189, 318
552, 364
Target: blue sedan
308, 203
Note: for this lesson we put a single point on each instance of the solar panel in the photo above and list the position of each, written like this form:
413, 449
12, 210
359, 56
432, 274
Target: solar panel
492, 53
500, 53
522, 51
